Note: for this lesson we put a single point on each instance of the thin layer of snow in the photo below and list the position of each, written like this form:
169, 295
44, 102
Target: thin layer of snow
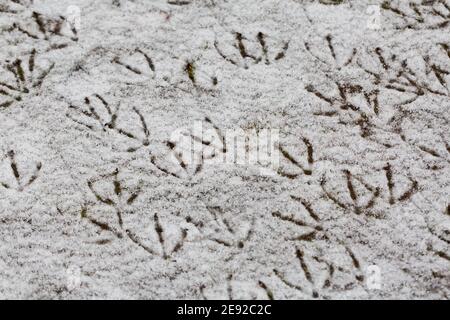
368, 102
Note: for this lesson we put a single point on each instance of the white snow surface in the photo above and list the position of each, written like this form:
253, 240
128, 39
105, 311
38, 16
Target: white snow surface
363, 182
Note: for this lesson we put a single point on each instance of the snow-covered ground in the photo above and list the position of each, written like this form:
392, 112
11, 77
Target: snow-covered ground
99, 101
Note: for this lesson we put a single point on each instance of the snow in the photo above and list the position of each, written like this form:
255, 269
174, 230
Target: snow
365, 96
